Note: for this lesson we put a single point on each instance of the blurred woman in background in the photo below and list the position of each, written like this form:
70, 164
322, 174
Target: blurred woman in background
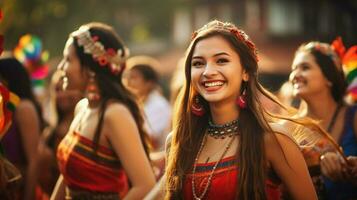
104, 155
143, 81
318, 79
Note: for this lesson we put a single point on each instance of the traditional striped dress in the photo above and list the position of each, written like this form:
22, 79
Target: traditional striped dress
83, 170
224, 181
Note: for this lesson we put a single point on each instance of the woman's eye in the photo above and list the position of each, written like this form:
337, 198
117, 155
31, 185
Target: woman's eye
305, 67
222, 60
197, 64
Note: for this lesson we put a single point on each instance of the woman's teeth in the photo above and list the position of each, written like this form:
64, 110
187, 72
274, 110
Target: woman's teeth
212, 84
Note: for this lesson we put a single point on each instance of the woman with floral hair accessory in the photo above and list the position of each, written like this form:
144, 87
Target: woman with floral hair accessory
104, 155
318, 79
222, 145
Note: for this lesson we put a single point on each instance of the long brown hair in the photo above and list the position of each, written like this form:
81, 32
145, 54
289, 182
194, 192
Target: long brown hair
188, 129
110, 84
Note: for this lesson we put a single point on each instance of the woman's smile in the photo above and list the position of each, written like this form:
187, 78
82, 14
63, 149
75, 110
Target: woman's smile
213, 85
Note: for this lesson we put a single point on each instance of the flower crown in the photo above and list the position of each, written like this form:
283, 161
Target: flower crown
115, 60
325, 49
229, 27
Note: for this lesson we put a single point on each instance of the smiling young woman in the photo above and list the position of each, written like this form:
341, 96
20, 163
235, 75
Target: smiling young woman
222, 146
318, 79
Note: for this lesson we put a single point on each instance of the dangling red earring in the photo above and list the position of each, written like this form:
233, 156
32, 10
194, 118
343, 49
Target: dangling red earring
242, 100
92, 89
197, 108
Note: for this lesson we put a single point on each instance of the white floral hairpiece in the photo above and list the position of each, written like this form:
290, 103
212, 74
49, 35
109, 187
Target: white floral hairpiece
105, 57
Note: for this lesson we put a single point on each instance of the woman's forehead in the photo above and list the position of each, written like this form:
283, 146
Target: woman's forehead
303, 57
211, 46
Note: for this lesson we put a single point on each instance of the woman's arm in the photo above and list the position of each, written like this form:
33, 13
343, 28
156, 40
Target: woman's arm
29, 126
124, 136
59, 190
285, 158
158, 192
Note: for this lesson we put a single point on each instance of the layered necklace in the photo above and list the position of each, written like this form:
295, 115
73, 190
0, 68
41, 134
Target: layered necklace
207, 185
222, 131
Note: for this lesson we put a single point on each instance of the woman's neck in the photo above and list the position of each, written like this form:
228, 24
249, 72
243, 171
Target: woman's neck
222, 114
321, 107
143, 96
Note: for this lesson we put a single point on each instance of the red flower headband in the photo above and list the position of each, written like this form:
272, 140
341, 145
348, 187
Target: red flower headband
228, 27
105, 57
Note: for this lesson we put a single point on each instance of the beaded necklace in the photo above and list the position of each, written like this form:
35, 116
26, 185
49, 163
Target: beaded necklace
222, 131
207, 185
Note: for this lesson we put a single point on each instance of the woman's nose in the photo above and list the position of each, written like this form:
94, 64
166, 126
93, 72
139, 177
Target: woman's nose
294, 74
60, 65
209, 70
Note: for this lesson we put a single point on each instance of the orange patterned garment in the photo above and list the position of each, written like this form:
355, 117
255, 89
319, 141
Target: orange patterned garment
224, 182
83, 170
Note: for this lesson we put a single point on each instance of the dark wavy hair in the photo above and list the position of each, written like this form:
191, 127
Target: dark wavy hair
147, 71
110, 84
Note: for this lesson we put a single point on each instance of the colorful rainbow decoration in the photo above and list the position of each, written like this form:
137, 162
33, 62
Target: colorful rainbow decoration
29, 52
8, 104
349, 64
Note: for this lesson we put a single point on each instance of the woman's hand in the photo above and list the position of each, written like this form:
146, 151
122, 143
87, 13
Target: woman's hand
352, 169
333, 166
